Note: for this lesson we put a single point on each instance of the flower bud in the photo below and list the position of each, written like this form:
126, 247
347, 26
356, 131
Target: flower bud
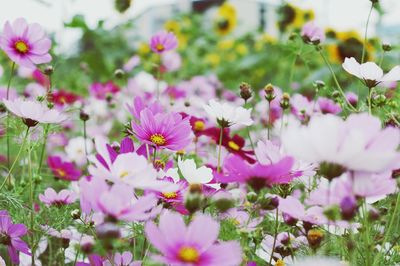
224, 204
269, 92
348, 208
373, 214
119, 73
335, 94
245, 91
48, 70
252, 196
330, 170
193, 202
314, 238
386, 47
285, 102
87, 243
289, 220
83, 116
269, 203
76, 214
319, 84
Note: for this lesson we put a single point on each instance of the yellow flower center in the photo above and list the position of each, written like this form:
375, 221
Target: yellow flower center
158, 139
61, 172
199, 125
280, 263
123, 174
233, 145
188, 254
160, 47
170, 195
21, 47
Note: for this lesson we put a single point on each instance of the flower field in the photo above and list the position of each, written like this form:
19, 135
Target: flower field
199, 145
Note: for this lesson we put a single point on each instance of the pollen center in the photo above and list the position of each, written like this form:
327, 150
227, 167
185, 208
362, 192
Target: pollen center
158, 139
123, 174
188, 254
21, 47
233, 145
160, 47
170, 195
61, 172
199, 125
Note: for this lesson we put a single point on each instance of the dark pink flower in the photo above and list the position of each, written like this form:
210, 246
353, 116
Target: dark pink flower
163, 41
101, 90
10, 235
25, 44
63, 170
163, 130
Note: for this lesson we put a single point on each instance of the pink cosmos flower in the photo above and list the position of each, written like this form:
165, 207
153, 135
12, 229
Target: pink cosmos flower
191, 245
163, 130
101, 90
311, 33
33, 112
139, 105
51, 197
10, 235
25, 44
163, 41
63, 170
171, 61
357, 144
327, 106
293, 210
123, 259
257, 175
352, 98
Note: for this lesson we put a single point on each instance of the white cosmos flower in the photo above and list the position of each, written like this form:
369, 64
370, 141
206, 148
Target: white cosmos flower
370, 72
357, 144
75, 150
194, 175
228, 114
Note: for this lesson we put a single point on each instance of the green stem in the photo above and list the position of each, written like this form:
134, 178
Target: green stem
16, 159
46, 132
366, 233
84, 141
370, 101
275, 236
335, 79
8, 115
31, 188
366, 33
220, 149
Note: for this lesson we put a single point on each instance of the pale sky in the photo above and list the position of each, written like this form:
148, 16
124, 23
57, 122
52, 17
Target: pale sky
340, 14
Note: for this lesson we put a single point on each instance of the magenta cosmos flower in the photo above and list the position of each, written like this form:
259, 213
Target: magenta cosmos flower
63, 170
164, 131
10, 235
163, 41
258, 175
193, 244
52, 198
25, 44
33, 112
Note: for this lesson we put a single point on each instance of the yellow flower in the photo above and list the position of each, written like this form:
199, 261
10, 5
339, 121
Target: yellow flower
242, 49
143, 48
172, 25
225, 44
226, 19
213, 59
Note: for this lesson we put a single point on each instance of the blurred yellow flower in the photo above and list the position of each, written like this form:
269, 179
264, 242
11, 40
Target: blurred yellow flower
226, 19
143, 48
242, 49
225, 44
213, 59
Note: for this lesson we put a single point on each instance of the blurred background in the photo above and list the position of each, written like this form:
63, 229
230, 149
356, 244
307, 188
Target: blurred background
150, 15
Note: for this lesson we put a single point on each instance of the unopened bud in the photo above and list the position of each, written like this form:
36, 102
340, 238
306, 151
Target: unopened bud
193, 202
245, 91
119, 73
48, 70
108, 231
348, 208
335, 94
269, 203
373, 214
83, 116
224, 204
285, 101
314, 238
252, 196
386, 47
289, 220
76, 214
269, 92
319, 84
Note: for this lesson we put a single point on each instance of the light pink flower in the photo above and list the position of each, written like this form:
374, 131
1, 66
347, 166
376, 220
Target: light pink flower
25, 44
311, 33
51, 197
191, 245
163, 41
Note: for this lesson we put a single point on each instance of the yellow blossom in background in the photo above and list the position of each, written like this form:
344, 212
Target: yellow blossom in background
172, 25
225, 44
242, 49
213, 59
226, 19
143, 48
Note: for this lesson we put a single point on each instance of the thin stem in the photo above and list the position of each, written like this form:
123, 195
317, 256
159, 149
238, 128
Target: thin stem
31, 188
370, 101
8, 115
366, 33
366, 235
220, 149
16, 159
335, 79
381, 59
84, 141
158, 81
275, 235
46, 132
